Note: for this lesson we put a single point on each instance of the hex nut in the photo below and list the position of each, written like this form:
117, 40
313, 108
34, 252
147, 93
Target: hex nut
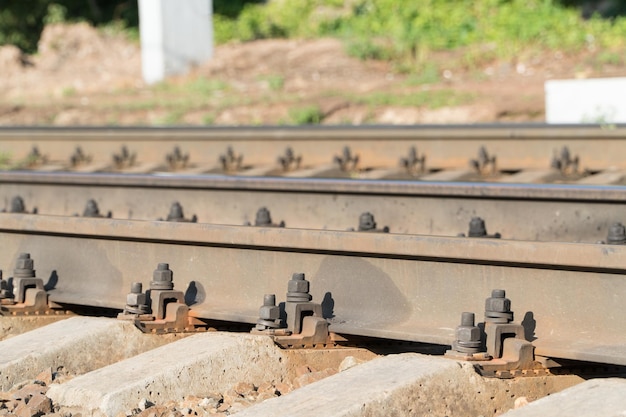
136, 299
269, 312
162, 275
298, 286
467, 334
502, 305
24, 263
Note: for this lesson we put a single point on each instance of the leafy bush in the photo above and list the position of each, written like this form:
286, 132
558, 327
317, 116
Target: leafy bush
21, 21
408, 30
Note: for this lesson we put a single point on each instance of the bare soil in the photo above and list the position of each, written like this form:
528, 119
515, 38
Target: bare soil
85, 76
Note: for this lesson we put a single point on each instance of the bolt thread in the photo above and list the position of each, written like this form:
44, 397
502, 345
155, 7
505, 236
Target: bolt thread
498, 294
269, 300
136, 288
467, 319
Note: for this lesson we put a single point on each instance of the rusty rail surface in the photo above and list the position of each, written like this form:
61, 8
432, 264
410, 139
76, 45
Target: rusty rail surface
552, 212
569, 297
519, 154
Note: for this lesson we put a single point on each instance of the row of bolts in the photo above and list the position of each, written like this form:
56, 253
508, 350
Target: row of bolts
263, 218
616, 234
467, 336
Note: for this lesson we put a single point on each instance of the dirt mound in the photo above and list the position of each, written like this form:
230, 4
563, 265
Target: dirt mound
72, 59
11, 60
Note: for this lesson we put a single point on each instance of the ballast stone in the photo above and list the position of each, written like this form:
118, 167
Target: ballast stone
77, 344
207, 362
596, 397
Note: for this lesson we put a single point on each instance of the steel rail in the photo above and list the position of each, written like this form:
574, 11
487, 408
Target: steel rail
379, 148
552, 212
569, 297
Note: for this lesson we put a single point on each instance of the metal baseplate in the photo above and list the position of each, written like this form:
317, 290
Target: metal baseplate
177, 320
24, 294
312, 335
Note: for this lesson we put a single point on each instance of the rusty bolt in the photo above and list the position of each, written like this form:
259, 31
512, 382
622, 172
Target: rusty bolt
24, 267
498, 308
298, 289
617, 234
467, 335
162, 278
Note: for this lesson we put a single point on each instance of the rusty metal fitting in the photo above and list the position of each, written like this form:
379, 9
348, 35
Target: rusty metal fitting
230, 161
176, 159
289, 161
483, 162
269, 314
347, 162
468, 336
27, 294
176, 214
367, 223
414, 164
616, 235
498, 308
298, 289
79, 157
162, 278
136, 300
564, 162
125, 159
24, 267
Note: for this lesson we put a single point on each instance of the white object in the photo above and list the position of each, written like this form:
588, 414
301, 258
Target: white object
175, 36
601, 100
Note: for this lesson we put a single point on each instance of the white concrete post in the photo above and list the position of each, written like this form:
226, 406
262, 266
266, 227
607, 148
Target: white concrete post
175, 35
600, 100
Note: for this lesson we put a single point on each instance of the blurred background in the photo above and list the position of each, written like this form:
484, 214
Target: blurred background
293, 62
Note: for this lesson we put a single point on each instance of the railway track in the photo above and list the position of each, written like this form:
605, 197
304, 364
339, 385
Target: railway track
549, 193
544, 154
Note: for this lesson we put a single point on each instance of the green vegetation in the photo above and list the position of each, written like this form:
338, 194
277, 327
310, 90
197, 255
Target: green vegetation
309, 115
21, 21
431, 99
407, 31
274, 82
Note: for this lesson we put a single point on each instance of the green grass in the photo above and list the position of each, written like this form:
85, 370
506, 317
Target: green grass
431, 99
275, 82
308, 115
408, 31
